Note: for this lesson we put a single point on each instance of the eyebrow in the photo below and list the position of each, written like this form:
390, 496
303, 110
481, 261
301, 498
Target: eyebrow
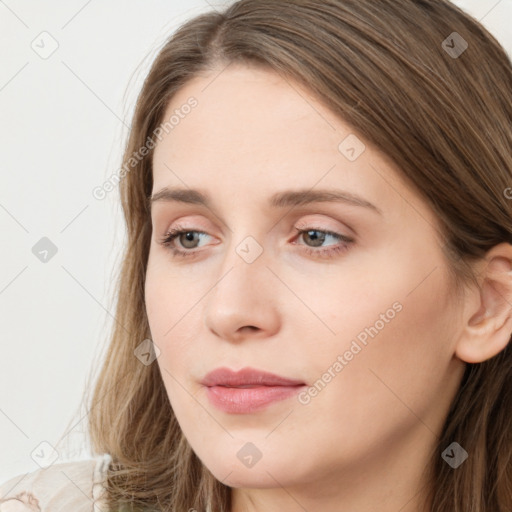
284, 199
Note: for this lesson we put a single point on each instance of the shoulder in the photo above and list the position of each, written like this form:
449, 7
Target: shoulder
67, 486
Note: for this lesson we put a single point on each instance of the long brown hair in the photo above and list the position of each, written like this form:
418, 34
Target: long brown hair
442, 112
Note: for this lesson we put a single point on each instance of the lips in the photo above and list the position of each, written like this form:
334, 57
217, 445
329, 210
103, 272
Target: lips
246, 377
248, 390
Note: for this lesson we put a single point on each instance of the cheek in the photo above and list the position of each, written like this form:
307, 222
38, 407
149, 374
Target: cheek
400, 303
168, 295
423, 333
399, 356
173, 303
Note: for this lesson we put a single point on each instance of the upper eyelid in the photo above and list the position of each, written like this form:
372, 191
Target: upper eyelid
309, 226
312, 223
323, 209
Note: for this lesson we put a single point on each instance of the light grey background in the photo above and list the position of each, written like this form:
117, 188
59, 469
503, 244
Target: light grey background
63, 121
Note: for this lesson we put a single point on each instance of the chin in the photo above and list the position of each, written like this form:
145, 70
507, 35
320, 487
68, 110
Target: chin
246, 478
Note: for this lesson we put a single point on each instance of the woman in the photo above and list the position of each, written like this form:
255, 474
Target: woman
315, 303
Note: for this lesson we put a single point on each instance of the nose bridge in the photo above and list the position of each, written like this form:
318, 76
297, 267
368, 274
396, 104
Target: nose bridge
243, 266
245, 251
240, 296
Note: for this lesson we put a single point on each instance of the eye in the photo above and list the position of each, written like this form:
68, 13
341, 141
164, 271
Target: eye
189, 238
188, 241
317, 237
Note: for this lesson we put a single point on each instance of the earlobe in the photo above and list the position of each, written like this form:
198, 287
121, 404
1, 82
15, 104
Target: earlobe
488, 327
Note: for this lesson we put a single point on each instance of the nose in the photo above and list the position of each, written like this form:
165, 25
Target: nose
244, 301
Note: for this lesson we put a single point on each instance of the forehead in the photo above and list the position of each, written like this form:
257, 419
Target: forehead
247, 115
244, 108
252, 130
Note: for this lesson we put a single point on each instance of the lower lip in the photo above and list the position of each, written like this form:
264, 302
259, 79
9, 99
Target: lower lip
247, 400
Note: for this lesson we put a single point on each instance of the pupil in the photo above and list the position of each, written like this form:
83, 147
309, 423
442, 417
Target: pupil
316, 240
189, 236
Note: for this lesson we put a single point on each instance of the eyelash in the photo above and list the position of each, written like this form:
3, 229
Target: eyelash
168, 239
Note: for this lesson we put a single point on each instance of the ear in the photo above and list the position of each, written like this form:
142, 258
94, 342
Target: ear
488, 309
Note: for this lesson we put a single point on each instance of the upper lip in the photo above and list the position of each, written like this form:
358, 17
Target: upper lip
246, 377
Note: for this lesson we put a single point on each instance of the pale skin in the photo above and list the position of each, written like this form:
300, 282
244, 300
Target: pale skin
361, 443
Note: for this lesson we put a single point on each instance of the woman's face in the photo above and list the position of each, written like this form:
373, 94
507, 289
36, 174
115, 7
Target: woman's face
357, 307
